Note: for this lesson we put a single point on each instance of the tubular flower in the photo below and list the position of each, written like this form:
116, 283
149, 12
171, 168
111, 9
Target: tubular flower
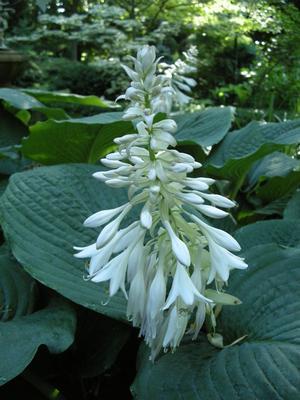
162, 261
181, 84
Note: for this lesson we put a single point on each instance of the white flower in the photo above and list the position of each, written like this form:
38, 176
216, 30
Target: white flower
137, 298
176, 328
166, 256
102, 217
157, 293
179, 248
111, 229
114, 272
184, 288
222, 261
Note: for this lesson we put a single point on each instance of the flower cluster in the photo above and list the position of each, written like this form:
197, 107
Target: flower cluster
164, 260
177, 72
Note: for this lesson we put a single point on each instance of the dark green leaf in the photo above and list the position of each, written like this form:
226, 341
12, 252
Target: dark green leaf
11, 130
54, 326
60, 97
3, 185
206, 127
284, 232
17, 289
293, 207
23, 101
19, 100
278, 187
240, 149
275, 164
42, 215
274, 207
74, 140
265, 365
11, 133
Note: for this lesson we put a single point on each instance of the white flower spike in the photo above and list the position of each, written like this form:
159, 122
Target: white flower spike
165, 258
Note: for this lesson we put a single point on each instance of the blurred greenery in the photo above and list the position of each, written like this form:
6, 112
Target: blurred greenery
248, 50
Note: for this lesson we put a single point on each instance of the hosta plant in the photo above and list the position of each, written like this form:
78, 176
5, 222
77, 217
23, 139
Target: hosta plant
170, 256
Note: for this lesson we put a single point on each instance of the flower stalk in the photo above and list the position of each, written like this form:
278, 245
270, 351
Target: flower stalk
164, 260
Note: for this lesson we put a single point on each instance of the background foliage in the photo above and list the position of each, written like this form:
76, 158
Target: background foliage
59, 338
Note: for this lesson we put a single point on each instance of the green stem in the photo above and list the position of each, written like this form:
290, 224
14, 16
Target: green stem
237, 186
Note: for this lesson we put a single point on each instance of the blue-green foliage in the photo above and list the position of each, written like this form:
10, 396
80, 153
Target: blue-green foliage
50, 157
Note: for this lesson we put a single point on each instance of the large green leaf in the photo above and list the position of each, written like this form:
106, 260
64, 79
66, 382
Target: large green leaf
19, 100
293, 207
240, 149
23, 101
273, 165
284, 232
274, 177
53, 326
274, 207
60, 97
42, 212
87, 139
278, 187
206, 127
265, 365
74, 140
18, 290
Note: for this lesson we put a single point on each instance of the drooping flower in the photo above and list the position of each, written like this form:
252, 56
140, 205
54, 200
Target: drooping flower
162, 261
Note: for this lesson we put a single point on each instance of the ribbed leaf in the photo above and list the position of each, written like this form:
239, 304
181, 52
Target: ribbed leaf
284, 232
42, 215
265, 365
206, 127
241, 148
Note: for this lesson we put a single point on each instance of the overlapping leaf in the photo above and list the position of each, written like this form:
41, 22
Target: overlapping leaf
12, 130
87, 139
240, 149
42, 212
274, 177
22, 331
23, 101
17, 289
273, 165
265, 365
47, 97
293, 207
53, 326
74, 140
